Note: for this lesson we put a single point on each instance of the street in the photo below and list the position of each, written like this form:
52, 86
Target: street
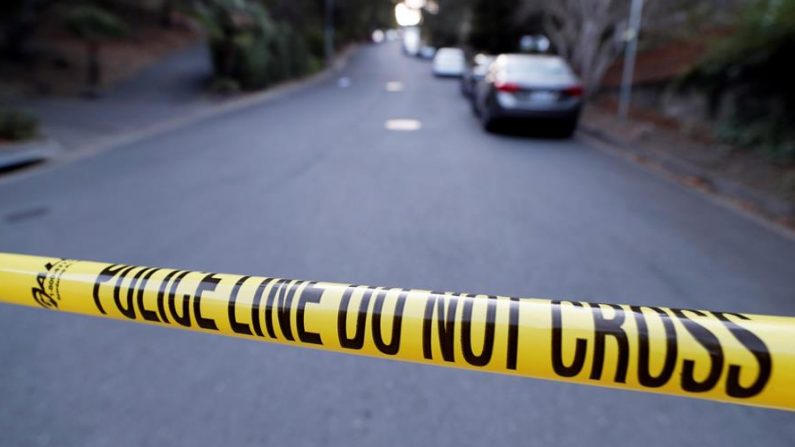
312, 185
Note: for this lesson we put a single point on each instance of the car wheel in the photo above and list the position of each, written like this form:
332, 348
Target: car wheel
567, 127
473, 103
488, 119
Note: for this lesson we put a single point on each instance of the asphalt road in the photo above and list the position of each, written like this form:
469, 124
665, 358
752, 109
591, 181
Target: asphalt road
313, 186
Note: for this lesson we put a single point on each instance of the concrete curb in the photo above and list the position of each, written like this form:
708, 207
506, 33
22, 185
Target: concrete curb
20, 154
752, 198
228, 106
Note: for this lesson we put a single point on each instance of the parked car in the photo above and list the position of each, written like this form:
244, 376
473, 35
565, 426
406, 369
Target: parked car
449, 62
427, 52
474, 73
411, 41
523, 87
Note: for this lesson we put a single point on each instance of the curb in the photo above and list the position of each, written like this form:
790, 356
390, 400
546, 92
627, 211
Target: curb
749, 197
16, 155
231, 105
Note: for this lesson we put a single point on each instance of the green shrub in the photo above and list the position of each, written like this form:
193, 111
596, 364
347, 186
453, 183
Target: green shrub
224, 86
17, 125
90, 22
248, 46
753, 69
260, 42
93, 24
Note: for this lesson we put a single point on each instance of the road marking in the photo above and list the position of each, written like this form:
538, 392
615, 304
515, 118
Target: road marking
394, 86
344, 82
403, 124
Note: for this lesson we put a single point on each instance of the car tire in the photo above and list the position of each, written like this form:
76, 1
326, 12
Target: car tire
487, 119
473, 103
567, 127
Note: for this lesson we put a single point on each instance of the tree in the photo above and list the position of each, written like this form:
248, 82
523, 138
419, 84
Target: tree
166, 13
446, 26
255, 43
355, 20
93, 25
493, 26
748, 75
587, 33
18, 22
590, 33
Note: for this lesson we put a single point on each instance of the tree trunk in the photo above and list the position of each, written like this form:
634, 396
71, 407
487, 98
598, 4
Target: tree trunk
166, 14
17, 30
93, 71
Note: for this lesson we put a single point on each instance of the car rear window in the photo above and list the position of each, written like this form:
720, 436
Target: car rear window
538, 66
450, 53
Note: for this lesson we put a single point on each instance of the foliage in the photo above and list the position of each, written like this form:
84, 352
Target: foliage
355, 20
493, 26
92, 23
248, 46
224, 86
587, 33
584, 32
19, 20
17, 125
774, 138
752, 73
305, 18
12, 7
447, 27
258, 43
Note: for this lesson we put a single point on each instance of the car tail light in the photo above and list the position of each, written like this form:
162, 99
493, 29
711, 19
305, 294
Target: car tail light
575, 91
507, 87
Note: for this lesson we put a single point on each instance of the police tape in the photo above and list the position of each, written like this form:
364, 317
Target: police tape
724, 356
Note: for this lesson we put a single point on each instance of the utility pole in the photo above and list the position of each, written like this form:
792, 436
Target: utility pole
329, 32
629, 57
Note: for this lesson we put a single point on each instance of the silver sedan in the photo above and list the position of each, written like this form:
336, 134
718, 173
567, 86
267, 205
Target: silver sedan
525, 87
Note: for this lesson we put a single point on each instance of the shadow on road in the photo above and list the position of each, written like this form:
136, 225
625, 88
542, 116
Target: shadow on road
543, 130
19, 167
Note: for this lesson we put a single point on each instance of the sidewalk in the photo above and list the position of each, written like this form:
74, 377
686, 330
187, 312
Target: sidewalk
169, 88
744, 178
168, 95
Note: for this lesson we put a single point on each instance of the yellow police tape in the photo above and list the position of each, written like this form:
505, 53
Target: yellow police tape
725, 356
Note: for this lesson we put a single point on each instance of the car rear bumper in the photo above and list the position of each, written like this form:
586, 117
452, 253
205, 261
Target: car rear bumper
452, 70
447, 73
567, 108
500, 112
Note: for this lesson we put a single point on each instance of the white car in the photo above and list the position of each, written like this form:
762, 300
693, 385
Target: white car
449, 62
411, 41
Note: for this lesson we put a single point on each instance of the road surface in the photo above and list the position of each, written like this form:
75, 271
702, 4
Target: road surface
313, 186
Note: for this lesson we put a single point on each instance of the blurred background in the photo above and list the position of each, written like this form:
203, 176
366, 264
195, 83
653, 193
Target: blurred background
630, 151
